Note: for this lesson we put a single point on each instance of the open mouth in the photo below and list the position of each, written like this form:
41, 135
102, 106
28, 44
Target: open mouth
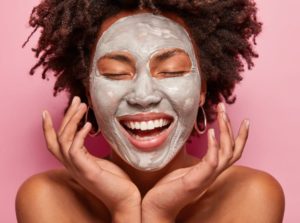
147, 131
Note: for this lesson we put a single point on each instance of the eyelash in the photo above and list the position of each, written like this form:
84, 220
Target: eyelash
176, 73
115, 75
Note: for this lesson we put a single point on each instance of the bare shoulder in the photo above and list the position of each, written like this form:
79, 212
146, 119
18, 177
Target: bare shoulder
257, 187
263, 193
239, 194
53, 196
253, 195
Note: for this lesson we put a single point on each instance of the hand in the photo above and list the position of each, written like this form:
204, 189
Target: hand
183, 186
102, 178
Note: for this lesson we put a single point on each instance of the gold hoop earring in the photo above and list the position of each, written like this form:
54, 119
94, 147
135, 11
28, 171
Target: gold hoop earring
202, 129
93, 132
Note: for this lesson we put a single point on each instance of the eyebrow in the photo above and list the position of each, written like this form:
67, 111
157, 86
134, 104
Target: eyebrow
119, 57
166, 55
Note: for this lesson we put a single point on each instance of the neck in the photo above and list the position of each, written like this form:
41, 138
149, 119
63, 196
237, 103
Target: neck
145, 180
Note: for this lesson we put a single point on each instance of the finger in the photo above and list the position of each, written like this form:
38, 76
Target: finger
50, 136
71, 111
84, 163
91, 174
204, 172
229, 127
225, 137
212, 155
222, 108
67, 136
79, 156
241, 140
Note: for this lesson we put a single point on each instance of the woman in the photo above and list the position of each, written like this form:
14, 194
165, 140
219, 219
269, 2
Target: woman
145, 74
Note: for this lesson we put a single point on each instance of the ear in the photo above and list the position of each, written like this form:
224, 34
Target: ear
202, 98
202, 93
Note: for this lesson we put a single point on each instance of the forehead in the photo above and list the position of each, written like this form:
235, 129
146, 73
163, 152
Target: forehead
143, 34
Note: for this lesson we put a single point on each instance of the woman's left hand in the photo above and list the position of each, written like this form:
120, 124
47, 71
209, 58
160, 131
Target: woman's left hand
183, 186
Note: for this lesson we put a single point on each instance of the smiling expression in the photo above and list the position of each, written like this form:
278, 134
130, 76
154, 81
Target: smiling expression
145, 88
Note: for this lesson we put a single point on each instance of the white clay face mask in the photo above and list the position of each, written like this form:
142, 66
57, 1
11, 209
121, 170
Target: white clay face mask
145, 119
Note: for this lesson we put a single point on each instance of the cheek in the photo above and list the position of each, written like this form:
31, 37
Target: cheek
189, 103
183, 92
107, 94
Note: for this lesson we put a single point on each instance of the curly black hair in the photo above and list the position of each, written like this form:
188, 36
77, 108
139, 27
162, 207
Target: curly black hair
224, 32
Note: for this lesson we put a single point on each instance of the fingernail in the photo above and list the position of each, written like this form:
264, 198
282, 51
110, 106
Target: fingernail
222, 107
86, 125
247, 123
75, 99
44, 114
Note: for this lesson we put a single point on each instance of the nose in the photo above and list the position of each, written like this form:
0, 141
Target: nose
144, 93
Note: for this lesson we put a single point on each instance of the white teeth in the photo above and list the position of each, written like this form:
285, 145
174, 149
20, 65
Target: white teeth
143, 126
156, 123
151, 125
161, 123
165, 122
147, 125
131, 125
137, 125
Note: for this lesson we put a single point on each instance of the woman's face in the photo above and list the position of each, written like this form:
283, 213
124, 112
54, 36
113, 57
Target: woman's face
145, 88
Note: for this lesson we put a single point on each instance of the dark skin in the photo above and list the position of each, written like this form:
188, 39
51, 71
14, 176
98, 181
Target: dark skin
186, 190
230, 198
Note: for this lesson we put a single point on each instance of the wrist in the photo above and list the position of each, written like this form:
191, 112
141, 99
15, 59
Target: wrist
151, 214
153, 217
129, 211
132, 215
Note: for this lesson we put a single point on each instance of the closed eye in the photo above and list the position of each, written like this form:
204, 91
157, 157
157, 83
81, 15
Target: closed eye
172, 73
118, 76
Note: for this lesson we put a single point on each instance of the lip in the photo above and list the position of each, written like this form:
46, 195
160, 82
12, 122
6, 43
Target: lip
151, 143
144, 117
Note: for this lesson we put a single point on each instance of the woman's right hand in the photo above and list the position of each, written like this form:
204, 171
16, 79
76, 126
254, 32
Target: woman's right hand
102, 178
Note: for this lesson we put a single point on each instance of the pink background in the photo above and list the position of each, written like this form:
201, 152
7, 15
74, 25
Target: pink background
269, 96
